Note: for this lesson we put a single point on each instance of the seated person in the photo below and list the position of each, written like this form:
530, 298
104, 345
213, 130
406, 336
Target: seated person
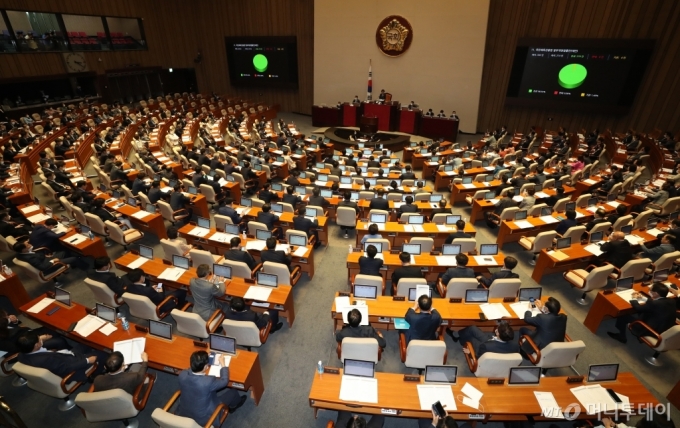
39, 260
44, 235
509, 263
617, 251
348, 420
667, 246
423, 325
226, 208
620, 212
658, 313
550, 325
373, 233
379, 202
369, 264
236, 254
405, 270
10, 331
268, 219
599, 218
459, 233
568, 222
459, 271
205, 293
552, 200
117, 377
271, 254
137, 284
408, 175
102, 273
238, 311
354, 329
290, 197
266, 194
407, 207
501, 342
303, 224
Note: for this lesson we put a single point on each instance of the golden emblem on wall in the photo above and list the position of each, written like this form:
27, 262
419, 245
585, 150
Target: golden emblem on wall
394, 35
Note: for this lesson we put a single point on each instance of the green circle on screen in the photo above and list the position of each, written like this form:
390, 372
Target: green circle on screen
260, 63
572, 76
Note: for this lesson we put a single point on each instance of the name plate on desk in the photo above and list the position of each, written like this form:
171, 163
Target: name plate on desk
303, 260
476, 416
343, 293
393, 412
509, 299
200, 344
331, 370
398, 298
455, 300
141, 328
411, 378
237, 385
575, 379
495, 381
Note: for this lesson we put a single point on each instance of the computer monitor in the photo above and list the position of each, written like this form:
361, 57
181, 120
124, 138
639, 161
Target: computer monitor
436, 198
412, 249
320, 165
660, 275
203, 222
412, 294
160, 329
192, 190
448, 168
372, 181
475, 295
277, 187
538, 187
359, 368
674, 215
365, 291
345, 180
267, 279
62, 296
524, 376
563, 243
326, 193
467, 180
592, 202
467, 165
377, 245
450, 249
570, 206
354, 196
602, 372
378, 218
625, 283
521, 215
297, 240
180, 262
651, 223
246, 202
277, 207
611, 197
150, 208
303, 174
488, 178
231, 229
441, 374
262, 235
146, 252
416, 219
322, 177
488, 249
489, 196
546, 211
627, 230
452, 218
525, 294
107, 313
132, 202
310, 212
230, 178
222, 344
84, 230
596, 237
222, 270
257, 167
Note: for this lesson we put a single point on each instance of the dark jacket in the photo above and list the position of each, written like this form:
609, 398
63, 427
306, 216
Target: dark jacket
43, 236
58, 364
457, 272
155, 195
658, 314
369, 266
360, 331
178, 200
276, 257
268, 219
422, 326
240, 256
112, 280
248, 315
37, 260
549, 328
139, 186
564, 225
291, 199
318, 201
501, 274
200, 393
304, 224
498, 347
405, 272
618, 253
231, 213
127, 381
379, 204
407, 208
456, 235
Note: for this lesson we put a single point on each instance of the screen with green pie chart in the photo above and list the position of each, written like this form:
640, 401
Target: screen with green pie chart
554, 72
262, 61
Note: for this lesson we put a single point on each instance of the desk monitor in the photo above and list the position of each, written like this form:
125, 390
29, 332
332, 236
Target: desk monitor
231, 229
277, 207
558, 183
359, 368
326, 140
563, 243
441, 374
160, 329
354, 196
279, 159
412, 249
434, 159
475, 295
651, 223
377, 245
247, 202
262, 235
570, 206
297, 240
257, 167
467, 165
525, 294
84, 230
413, 145
277, 187
132, 202
423, 151
378, 218
485, 163
320, 165
62, 296
180, 262
627, 229
223, 344
488, 178
467, 180
624, 283
521, 215
300, 190
592, 202
193, 190
448, 168
299, 152
230, 178
146, 252
488, 249
524, 376
372, 181
171, 183
673, 215
436, 198
538, 187
416, 219
546, 211
326, 193
222, 270
203, 222
364, 169
602, 372
490, 196
596, 237
412, 294
450, 249
102, 187
518, 190
322, 177
452, 218
303, 174
151, 208
660, 275
345, 180
365, 291
310, 212
611, 197
586, 175
386, 170
267, 279
107, 313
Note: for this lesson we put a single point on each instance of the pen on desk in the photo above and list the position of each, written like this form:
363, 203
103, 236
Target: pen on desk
73, 240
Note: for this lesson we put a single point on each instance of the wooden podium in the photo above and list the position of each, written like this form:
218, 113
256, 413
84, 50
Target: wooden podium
387, 114
409, 120
439, 127
350, 114
369, 124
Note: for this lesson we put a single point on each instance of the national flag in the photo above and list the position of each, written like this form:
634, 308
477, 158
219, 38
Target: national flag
369, 94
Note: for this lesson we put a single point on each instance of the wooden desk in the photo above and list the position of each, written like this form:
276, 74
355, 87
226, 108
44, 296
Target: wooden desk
286, 222
443, 179
152, 223
500, 402
245, 372
12, 288
395, 233
480, 206
281, 297
461, 191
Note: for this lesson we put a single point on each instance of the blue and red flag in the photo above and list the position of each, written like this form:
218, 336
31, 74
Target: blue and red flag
369, 94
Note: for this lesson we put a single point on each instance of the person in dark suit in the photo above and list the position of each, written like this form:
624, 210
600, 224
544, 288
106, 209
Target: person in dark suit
10, 331
43, 235
235, 253
405, 270
76, 361
459, 233
350, 161
11, 227
268, 219
238, 311
459, 271
303, 224
568, 222
667, 246
423, 325
292, 179
509, 263
408, 175
617, 251
155, 192
599, 218
44, 263
317, 200
102, 273
550, 325
552, 200
501, 342
199, 390
353, 328
276, 256
266, 194
226, 208
379, 202
59, 189
139, 185
407, 207
369, 264
290, 197
178, 201
137, 284
658, 313
620, 212
674, 230
117, 377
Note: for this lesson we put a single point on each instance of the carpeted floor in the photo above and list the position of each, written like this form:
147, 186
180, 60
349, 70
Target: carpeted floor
289, 357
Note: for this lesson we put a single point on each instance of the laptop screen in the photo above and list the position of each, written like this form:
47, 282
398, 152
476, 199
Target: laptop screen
231, 229
297, 240
359, 368
660, 275
193, 190
102, 187
345, 180
322, 177
624, 283
596, 237
412, 249
413, 294
450, 249
651, 223
627, 229
84, 229
62, 296
674, 215
230, 178
277, 187
378, 218
377, 245
223, 344
476, 296
146, 252
180, 262
132, 202
222, 270
262, 235
277, 207
326, 193
267, 279
488, 249
602, 372
563, 243
490, 196
546, 211
452, 219
365, 291
106, 313
521, 215
310, 212
416, 219
203, 222
570, 206
246, 202
467, 180
151, 208
448, 168
354, 196
524, 376
525, 294
592, 202
441, 374
160, 329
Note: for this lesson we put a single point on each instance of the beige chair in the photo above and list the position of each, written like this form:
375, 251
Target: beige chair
246, 333
171, 215
635, 268
440, 218
664, 262
346, 218
103, 294
535, 244
426, 244
421, 353
640, 222
385, 243
254, 226
555, 355
142, 307
422, 197
591, 278
376, 211
359, 348
116, 404
192, 324
456, 287
491, 364
98, 226
665, 209
285, 276
667, 341
506, 287
44, 381
121, 237
171, 248
600, 227
166, 419
240, 269
79, 215
535, 211
582, 201
292, 232
561, 205
507, 214
402, 288
200, 257
377, 281
621, 221
575, 233
221, 221
466, 244
50, 191
38, 275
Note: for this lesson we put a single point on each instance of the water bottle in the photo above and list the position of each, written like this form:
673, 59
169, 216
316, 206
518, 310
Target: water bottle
6, 270
350, 248
91, 235
243, 236
124, 323
319, 368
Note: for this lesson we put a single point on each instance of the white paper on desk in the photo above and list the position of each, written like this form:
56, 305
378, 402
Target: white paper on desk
256, 292
548, 404
28, 210
380, 256
171, 273
242, 211
494, 311
131, 349
627, 295
141, 214
199, 231
341, 301
541, 195
76, 239
360, 389
282, 247
655, 231
548, 219
430, 394
634, 240
38, 218
446, 260
221, 237
345, 186
137, 263
256, 245
89, 325
579, 215
398, 204
300, 251
523, 224
444, 228
166, 189
361, 308
593, 249
108, 329
518, 198
408, 228
60, 228
589, 181
520, 309
422, 290
485, 260
613, 204
38, 307
489, 168
473, 393
594, 399
470, 402
418, 228
469, 186
593, 209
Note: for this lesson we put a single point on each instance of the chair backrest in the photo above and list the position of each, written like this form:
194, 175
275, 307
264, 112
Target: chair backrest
406, 283
165, 419
359, 348
254, 226
238, 269
384, 242
108, 405
422, 353
200, 257
509, 213
376, 211
102, 292
466, 244
171, 249
127, 191
666, 261
621, 221
30, 270
318, 209
575, 233
439, 218
426, 244
457, 286
293, 232
145, 199
278, 269
369, 280
535, 210
96, 224
640, 221
51, 191
365, 194
246, 333
492, 364
41, 380
544, 240
208, 192
582, 200
670, 339
79, 215
287, 208
561, 354
423, 197
141, 306
257, 203
506, 287
189, 323
635, 268
597, 278
346, 216
561, 205
221, 221
600, 227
